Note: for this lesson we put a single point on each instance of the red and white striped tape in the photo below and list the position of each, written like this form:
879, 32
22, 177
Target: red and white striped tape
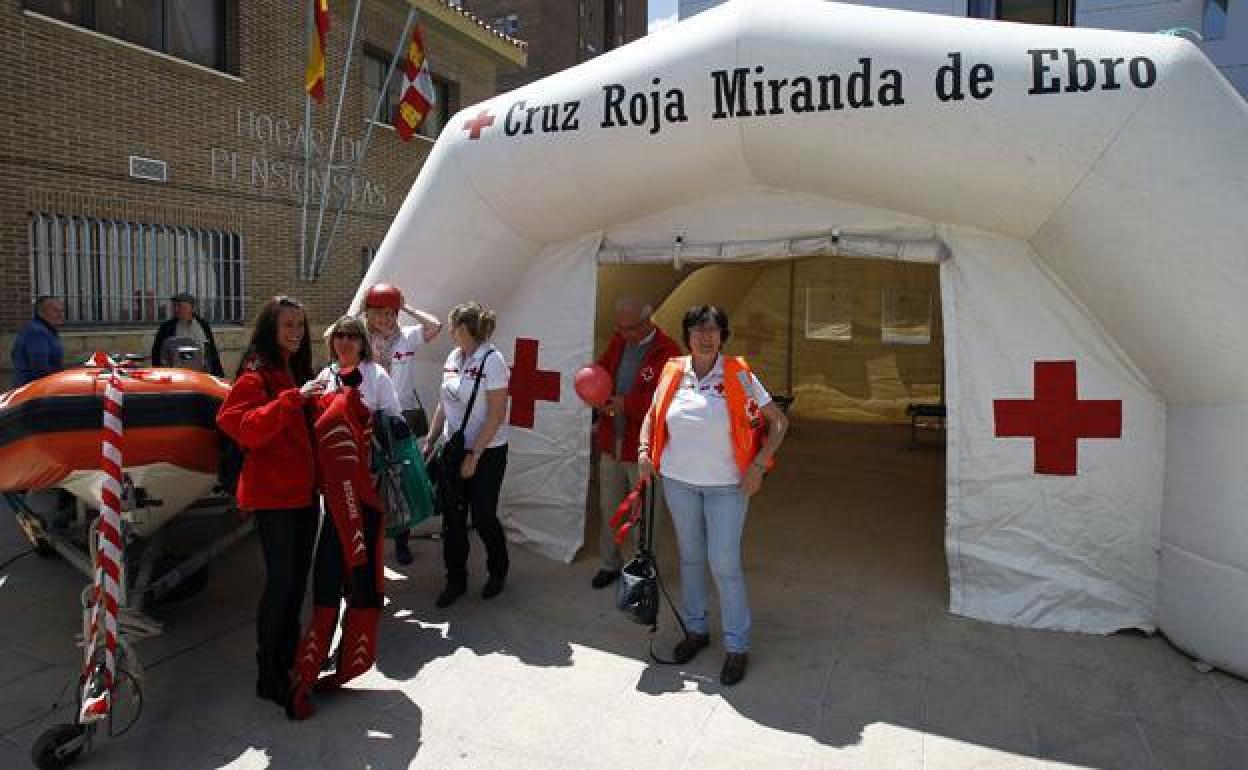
96, 697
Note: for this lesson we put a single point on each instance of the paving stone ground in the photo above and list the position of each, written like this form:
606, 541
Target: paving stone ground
856, 664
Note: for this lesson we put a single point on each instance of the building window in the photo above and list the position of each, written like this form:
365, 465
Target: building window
111, 272
609, 35
1059, 13
507, 25
446, 95
375, 66
1213, 25
193, 30
367, 255
447, 92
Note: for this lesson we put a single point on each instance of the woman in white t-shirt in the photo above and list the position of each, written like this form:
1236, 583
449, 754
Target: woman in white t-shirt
485, 440
348, 345
704, 435
394, 348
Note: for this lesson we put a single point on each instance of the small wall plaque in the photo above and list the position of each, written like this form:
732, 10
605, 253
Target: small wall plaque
148, 168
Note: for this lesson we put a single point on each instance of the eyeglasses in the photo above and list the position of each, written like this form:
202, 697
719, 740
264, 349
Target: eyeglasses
286, 301
346, 335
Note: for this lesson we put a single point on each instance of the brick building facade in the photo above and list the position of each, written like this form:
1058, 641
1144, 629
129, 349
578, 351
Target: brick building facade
561, 33
78, 101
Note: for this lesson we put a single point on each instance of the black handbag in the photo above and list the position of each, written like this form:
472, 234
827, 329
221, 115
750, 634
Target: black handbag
637, 593
417, 420
640, 591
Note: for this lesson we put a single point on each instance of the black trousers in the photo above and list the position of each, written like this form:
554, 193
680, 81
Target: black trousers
331, 582
287, 537
481, 493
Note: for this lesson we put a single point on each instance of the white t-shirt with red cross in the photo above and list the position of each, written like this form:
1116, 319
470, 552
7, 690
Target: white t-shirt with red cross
376, 391
458, 376
400, 361
699, 440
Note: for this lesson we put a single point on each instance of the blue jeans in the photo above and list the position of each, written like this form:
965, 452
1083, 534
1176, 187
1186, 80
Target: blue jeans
708, 522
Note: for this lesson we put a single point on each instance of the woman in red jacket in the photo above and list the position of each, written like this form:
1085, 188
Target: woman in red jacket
265, 414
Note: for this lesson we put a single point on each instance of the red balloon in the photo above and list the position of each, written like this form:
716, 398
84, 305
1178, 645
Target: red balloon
593, 385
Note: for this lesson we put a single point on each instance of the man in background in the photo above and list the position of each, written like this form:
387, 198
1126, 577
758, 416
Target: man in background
37, 351
634, 357
186, 324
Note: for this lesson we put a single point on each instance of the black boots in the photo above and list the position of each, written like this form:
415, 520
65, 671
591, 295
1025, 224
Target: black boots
449, 594
493, 587
690, 646
734, 668
604, 578
402, 553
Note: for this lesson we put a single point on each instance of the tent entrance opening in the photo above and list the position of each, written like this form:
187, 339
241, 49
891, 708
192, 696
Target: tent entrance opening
854, 507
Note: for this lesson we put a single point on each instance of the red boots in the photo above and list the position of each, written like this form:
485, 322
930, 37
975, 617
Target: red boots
311, 653
358, 650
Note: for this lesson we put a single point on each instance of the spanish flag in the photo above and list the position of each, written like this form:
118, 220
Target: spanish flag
418, 96
314, 78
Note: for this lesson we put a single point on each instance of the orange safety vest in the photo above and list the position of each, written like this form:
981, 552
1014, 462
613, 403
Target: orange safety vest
747, 428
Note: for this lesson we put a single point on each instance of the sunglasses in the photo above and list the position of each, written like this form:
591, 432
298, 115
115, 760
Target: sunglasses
346, 335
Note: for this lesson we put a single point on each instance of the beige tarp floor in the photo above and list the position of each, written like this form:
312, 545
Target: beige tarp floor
855, 663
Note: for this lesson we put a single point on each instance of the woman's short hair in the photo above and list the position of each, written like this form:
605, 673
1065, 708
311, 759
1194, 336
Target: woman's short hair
349, 323
700, 314
477, 320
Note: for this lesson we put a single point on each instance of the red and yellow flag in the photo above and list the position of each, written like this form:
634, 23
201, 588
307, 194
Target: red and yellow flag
418, 97
314, 77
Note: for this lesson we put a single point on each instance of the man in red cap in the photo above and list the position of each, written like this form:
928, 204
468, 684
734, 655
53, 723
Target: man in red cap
394, 347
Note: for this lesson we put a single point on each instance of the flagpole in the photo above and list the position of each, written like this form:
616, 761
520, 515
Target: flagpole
319, 260
333, 139
307, 152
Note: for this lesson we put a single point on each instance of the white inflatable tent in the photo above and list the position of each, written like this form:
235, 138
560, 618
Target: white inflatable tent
1083, 190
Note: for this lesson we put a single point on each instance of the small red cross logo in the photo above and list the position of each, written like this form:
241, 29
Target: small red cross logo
478, 124
529, 384
1056, 418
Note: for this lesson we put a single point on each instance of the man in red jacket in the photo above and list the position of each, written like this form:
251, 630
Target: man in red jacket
634, 357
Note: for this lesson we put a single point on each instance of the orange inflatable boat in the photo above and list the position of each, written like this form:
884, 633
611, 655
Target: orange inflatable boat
50, 434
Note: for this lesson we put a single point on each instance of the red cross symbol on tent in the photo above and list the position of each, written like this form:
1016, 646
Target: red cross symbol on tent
529, 384
478, 124
1056, 418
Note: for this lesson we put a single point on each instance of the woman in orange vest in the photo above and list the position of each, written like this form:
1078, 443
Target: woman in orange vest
711, 432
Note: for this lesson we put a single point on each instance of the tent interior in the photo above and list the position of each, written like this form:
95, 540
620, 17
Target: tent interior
854, 503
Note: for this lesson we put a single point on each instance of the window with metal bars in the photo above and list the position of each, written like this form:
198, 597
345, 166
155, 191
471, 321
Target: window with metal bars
115, 273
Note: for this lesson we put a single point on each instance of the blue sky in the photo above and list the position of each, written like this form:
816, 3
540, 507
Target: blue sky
662, 13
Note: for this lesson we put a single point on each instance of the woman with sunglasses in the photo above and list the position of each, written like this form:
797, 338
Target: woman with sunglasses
266, 413
350, 348
348, 554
